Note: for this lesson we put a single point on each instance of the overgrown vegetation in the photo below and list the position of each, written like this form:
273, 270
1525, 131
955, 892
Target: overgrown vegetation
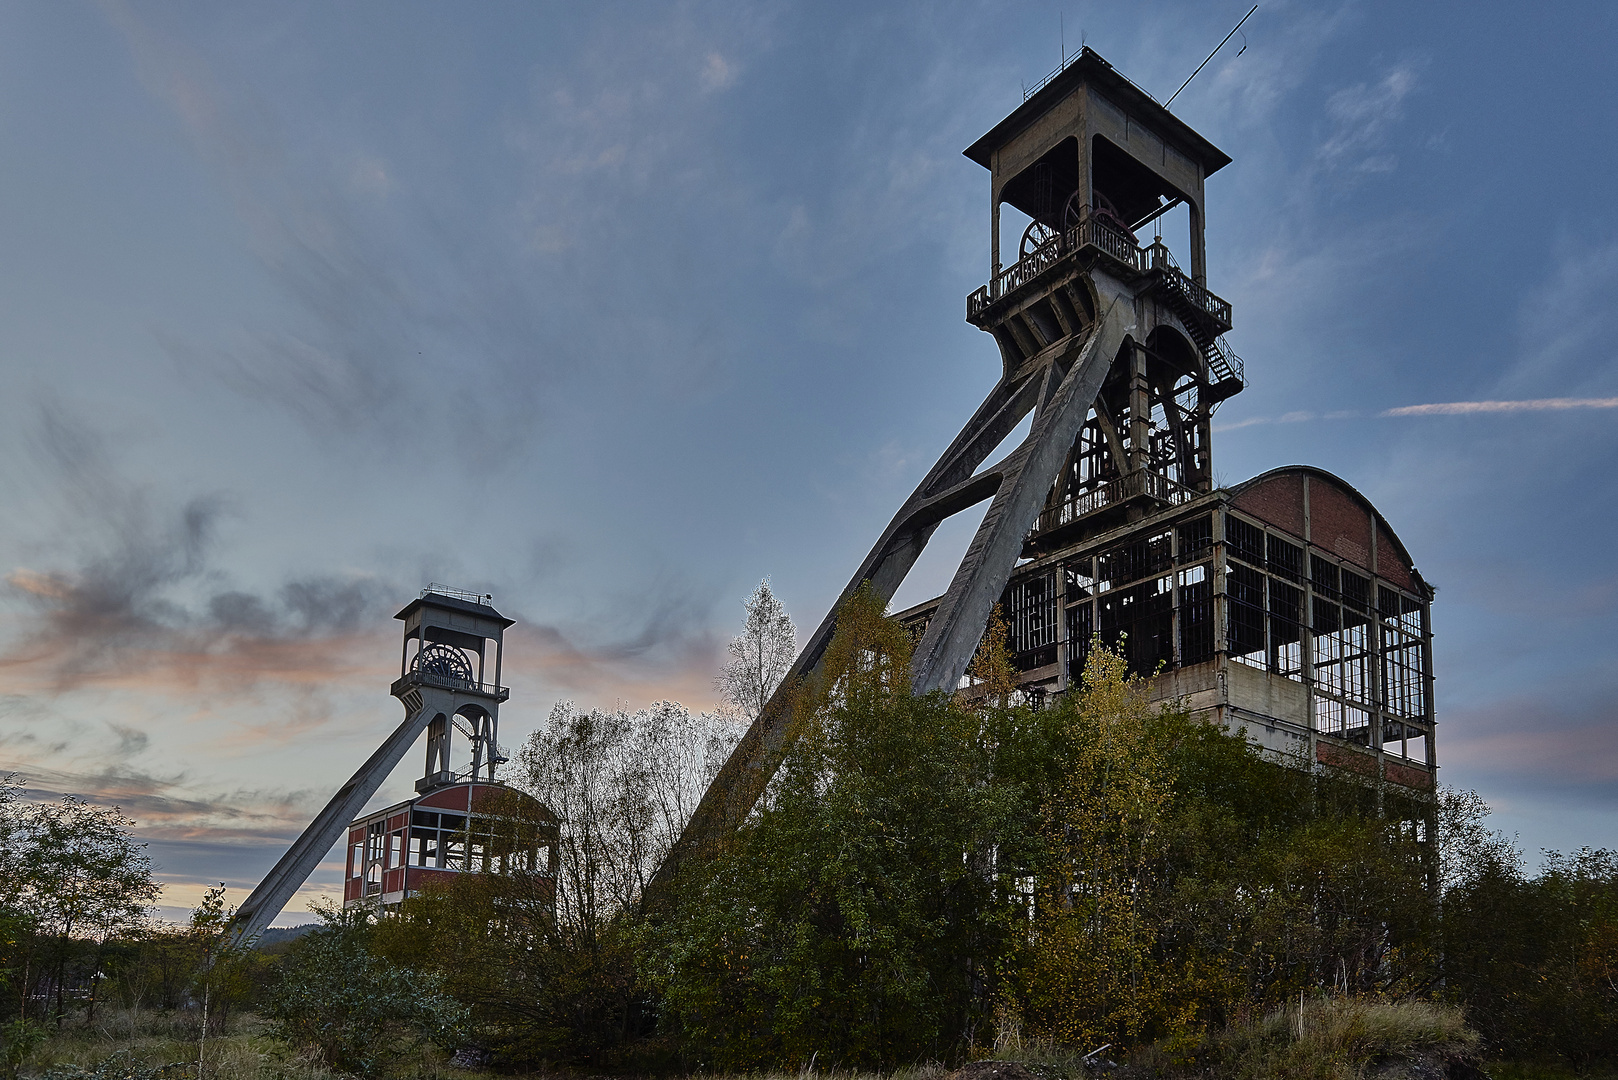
927, 880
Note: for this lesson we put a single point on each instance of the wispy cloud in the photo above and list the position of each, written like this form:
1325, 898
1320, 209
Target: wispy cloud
1361, 116
1461, 408
1438, 408
130, 594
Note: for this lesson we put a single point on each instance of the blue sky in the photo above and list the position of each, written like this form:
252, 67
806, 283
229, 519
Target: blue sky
612, 310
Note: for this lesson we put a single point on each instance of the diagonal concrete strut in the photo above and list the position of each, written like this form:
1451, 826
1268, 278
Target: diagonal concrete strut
1059, 385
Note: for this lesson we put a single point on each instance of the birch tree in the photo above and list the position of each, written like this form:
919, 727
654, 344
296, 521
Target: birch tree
760, 656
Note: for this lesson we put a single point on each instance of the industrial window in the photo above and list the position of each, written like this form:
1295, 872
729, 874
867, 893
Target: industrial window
1323, 577
1328, 716
1246, 541
1400, 611
1403, 669
1244, 606
1081, 581
1286, 637
437, 839
356, 861
1404, 684
1154, 636
1333, 717
1030, 609
1405, 740
1136, 560
1195, 538
1356, 591
1285, 559
1139, 622
1080, 628
1196, 614
1342, 652
395, 849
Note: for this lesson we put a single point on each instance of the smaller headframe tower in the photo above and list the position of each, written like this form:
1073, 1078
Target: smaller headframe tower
462, 819
449, 684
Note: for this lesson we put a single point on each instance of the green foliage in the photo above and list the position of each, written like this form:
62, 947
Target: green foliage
19, 1037
121, 1065
856, 916
1188, 880
535, 993
72, 882
357, 1008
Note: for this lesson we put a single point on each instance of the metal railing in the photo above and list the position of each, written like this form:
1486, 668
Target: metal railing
1096, 232
1223, 363
1196, 295
434, 588
450, 682
1129, 486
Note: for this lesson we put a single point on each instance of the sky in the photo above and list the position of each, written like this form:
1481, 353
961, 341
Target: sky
612, 310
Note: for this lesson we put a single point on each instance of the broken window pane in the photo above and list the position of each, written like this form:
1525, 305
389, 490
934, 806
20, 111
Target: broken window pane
1135, 560
1081, 582
1196, 614
1286, 638
1031, 609
1356, 591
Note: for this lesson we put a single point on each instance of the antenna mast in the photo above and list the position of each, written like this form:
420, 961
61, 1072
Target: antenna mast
1204, 64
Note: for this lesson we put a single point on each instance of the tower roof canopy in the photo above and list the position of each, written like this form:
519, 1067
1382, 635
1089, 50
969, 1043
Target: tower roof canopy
444, 602
1090, 69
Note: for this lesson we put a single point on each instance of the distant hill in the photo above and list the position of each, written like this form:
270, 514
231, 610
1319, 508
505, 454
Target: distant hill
277, 938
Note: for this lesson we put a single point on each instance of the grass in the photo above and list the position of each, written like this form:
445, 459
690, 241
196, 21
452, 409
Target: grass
128, 1044
1337, 1039
1349, 1038
1334, 1039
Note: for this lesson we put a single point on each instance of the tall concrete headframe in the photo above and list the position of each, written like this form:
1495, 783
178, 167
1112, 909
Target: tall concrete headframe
1285, 604
449, 684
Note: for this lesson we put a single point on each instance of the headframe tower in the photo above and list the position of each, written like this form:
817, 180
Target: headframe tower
1077, 317
1120, 356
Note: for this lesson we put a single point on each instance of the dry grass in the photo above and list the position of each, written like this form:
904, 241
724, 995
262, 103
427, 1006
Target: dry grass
131, 1044
1339, 1039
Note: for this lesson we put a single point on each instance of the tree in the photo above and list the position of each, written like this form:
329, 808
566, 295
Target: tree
79, 875
761, 656
852, 916
550, 962
623, 784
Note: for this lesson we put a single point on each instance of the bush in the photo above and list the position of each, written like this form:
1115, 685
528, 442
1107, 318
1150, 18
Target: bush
359, 1010
1345, 1039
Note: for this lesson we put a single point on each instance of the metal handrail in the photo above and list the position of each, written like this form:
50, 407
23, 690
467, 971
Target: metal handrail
1129, 486
1095, 232
449, 682
434, 588
1223, 361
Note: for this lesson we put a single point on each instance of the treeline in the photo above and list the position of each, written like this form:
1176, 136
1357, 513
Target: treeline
934, 878
76, 932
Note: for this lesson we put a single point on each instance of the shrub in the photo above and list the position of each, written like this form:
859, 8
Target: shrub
358, 1009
